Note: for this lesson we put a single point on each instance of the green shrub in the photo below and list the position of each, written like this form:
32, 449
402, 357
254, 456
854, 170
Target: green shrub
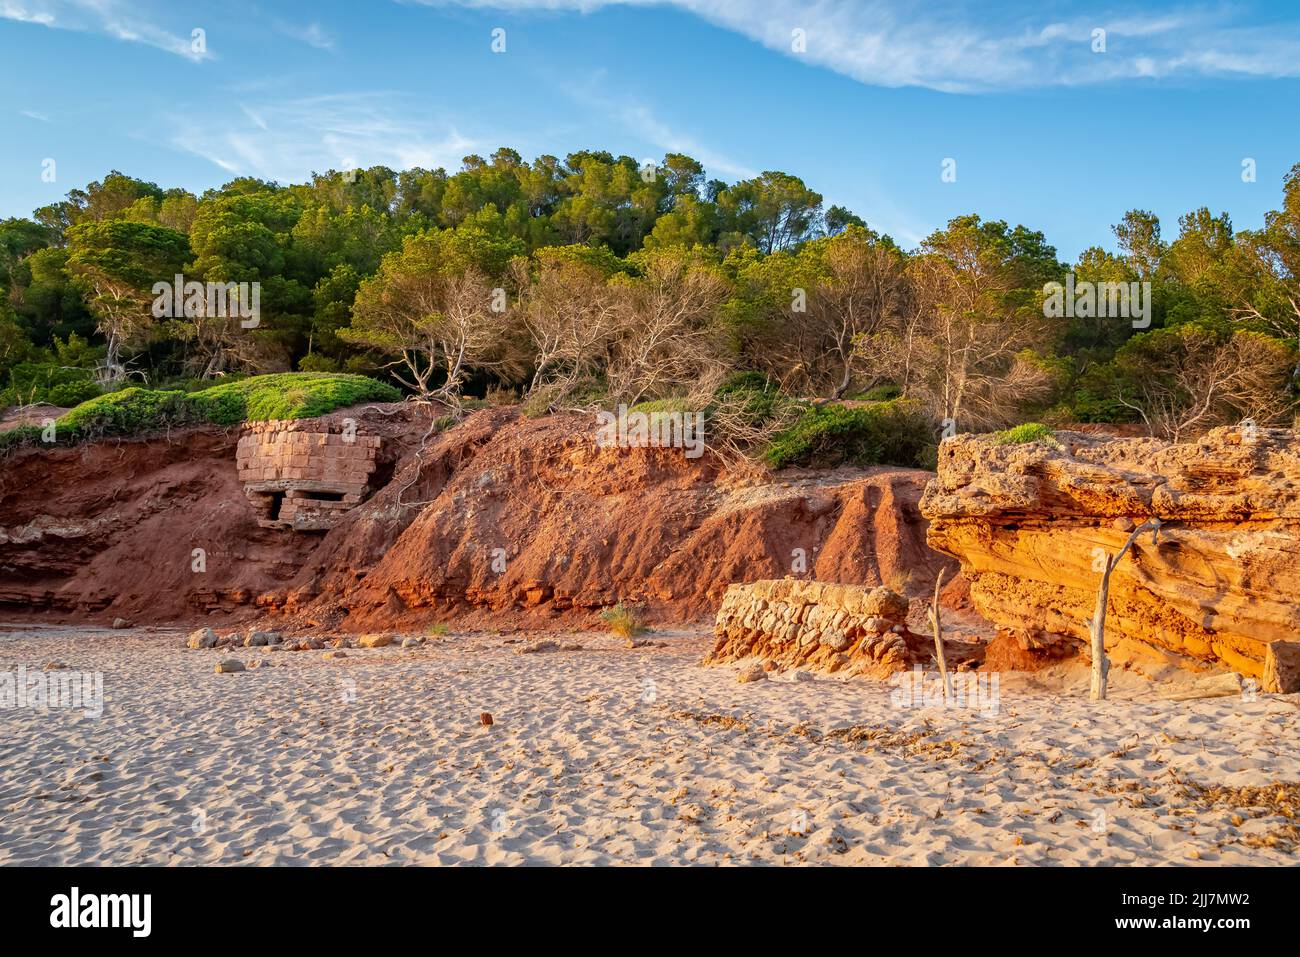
195, 384
888, 433
18, 436
315, 362
127, 412
1025, 432
880, 393
32, 382
288, 395
758, 395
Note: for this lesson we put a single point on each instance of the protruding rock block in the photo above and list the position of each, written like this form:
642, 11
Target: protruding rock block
822, 626
1282, 667
1032, 524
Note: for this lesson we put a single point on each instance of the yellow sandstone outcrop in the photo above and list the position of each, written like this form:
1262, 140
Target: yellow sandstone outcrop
1030, 524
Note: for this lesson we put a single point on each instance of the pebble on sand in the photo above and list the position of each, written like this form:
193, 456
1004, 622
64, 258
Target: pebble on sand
229, 666
754, 672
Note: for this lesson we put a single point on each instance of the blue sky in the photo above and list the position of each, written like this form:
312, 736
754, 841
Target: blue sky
1044, 130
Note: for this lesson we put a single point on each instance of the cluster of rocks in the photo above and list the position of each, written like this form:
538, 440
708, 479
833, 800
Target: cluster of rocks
821, 626
206, 638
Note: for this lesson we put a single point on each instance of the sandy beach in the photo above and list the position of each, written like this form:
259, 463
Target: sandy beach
605, 754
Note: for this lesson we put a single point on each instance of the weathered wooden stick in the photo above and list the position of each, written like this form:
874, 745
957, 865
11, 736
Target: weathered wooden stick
1097, 627
938, 637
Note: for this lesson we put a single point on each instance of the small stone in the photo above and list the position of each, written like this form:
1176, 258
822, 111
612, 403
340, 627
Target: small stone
412, 641
376, 640
54, 666
203, 638
536, 647
798, 675
121, 623
339, 653
256, 639
485, 719
753, 673
229, 666
314, 644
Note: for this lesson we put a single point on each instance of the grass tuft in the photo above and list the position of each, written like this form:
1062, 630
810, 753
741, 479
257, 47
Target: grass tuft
624, 622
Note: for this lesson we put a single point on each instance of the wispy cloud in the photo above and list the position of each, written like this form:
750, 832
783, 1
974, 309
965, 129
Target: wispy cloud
638, 119
285, 140
312, 34
115, 18
26, 13
959, 47
33, 115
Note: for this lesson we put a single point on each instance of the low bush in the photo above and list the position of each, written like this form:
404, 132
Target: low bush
887, 433
880, 393
136, 411
32, 382
1025, 432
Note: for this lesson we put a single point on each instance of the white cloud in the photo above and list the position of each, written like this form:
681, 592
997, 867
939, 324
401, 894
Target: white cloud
24, 13
33, 115
312, 34
285, 140
949, 46
117, 19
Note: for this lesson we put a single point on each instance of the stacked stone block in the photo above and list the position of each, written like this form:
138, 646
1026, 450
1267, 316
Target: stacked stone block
304, 475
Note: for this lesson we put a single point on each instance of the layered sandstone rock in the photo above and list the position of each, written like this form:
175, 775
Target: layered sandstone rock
816, 625
1031, 523
304, 474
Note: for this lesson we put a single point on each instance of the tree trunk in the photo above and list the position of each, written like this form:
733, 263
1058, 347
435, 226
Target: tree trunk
1100, 664
1097, 627
940, 658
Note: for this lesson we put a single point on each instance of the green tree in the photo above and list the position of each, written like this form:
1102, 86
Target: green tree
117, 262
433, 308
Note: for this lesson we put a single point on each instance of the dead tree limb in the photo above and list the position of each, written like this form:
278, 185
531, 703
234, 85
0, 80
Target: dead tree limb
935, 623
1097, 627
